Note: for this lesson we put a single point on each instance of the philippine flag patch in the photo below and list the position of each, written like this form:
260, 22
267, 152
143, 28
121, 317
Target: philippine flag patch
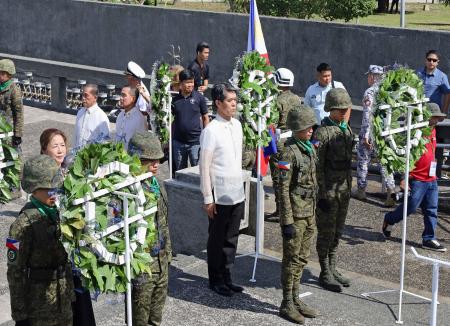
284, 165
12, 244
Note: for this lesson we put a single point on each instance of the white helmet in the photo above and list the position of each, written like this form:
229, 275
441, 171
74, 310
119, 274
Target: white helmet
284, 77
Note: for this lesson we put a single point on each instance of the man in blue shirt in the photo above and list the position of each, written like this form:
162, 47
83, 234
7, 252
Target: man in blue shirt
316, 93
190, 113
435, 81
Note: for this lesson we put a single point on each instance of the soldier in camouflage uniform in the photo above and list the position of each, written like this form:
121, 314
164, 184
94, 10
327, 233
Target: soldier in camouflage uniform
297, 192
11, 100
149, 292
365, 145
39, 272
334, 177
287, 100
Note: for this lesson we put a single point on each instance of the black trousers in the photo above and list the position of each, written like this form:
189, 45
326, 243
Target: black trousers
222, 242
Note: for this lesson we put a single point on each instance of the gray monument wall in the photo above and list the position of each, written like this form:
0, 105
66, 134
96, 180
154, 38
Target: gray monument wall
108, 35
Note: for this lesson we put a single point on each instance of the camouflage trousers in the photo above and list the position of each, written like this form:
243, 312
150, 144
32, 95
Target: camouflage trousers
295, 255
148, 296
364, 155
330, 224
275, 175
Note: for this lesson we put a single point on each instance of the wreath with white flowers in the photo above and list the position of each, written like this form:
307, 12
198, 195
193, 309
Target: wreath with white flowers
9, 162
160, 116
92, 216
257, 92
399, 89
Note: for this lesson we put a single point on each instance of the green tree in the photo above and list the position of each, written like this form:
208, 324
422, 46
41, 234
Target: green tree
330, 10
348, 9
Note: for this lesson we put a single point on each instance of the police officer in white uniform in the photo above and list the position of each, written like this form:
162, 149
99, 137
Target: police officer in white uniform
134, 75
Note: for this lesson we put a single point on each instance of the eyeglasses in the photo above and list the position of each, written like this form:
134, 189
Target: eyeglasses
432, 60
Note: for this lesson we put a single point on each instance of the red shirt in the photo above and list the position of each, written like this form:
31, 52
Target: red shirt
422, 170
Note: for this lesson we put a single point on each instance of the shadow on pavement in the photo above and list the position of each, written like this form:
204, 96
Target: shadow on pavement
194, 289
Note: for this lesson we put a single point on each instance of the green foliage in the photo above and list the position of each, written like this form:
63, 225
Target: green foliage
251, 95
445, 2
347, 9
395, 90
330, 10
10, 181
78, 237
159, 90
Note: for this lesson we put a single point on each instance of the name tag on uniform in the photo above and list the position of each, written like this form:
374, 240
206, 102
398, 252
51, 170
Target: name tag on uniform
433, 166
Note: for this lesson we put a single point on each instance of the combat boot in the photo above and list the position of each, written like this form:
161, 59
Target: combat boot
359, 193
345, 281
390, 201
326, 278
302, 307
289, 312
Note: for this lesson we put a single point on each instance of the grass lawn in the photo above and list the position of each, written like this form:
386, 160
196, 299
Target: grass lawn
438, 18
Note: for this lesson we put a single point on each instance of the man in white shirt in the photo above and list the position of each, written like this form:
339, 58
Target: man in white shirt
316, 93
130, 119
92, 124
222, 187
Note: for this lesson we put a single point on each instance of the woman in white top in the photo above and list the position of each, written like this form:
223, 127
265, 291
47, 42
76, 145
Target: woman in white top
130, 119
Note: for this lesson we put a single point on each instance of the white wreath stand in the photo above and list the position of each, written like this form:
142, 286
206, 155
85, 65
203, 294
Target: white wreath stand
259, 236
407, 128
89, 207
2, 154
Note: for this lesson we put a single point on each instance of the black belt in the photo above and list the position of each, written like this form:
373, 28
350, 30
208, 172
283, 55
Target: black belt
43, 274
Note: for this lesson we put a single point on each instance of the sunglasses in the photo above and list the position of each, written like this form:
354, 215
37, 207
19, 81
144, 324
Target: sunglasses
432, 60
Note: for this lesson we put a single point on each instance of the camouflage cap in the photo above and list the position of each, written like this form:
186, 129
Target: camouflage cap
301, 117
41, 171
146, 145
435, 110
8, 66
337, 98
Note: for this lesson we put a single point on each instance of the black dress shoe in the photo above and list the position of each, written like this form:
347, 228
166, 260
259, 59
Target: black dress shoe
234, 288
222, 290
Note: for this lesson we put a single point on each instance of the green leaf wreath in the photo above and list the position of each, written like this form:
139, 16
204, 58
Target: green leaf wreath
398, 88
10, 162
161, 100
252, 93
78, 236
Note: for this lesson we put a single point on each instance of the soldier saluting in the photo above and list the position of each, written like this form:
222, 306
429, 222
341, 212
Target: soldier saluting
335, 179
39, 272
297, 192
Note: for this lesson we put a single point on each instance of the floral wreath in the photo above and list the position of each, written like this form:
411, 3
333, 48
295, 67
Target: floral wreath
161, 100
91, 216
257, 94
399, 89
9, 162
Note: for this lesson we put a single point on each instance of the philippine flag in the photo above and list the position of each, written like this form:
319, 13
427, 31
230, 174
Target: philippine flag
282, 165
255, 40
12, 244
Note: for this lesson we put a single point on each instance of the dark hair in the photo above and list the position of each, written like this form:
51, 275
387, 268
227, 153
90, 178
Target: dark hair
219, 91
93, 88
47, 136
185, 74
201, 46
432, 52
133, 92
323, 67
